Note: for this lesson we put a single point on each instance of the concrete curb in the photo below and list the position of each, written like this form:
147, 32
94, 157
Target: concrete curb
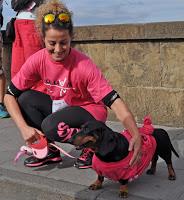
18, 186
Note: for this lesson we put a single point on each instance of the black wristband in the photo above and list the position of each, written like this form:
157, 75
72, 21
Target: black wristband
12, 90
109, 99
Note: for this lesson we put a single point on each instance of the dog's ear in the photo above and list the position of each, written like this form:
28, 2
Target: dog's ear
104, 135
107, 141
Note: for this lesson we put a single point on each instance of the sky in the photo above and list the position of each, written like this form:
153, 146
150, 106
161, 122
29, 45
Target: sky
102, 12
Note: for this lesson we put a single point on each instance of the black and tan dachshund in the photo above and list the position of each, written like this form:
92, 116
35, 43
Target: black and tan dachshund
111, 147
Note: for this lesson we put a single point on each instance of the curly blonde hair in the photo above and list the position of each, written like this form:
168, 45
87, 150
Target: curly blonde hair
51, 6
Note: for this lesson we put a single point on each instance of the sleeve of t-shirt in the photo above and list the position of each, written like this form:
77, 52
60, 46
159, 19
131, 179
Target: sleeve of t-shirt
28, 74
97, 85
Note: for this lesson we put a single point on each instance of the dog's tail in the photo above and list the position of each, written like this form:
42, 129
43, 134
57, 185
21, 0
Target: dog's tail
174, 151
171, 146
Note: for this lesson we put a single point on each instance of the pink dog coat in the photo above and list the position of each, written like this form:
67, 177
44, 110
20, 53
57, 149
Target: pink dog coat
121, 169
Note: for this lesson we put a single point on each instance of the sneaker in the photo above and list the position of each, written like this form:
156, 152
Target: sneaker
52, 157
85, 159
3, 112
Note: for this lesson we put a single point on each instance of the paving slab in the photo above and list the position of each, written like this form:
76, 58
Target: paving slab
63, 181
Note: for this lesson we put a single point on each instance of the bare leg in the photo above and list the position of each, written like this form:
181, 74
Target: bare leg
2, 87
2, 76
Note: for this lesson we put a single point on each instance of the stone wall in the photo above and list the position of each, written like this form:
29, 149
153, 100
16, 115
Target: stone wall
144, 63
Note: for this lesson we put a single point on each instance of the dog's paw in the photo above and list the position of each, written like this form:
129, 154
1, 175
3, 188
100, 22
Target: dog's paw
95, 186
172, 177
123, 194
123, 191
171, 173
150, 171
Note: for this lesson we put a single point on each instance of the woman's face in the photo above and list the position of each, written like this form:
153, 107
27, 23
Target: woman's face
57, 43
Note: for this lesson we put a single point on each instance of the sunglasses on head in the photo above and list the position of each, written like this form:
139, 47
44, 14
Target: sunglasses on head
63, 18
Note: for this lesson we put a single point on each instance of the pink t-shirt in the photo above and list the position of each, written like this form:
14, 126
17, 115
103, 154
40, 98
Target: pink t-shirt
77, 80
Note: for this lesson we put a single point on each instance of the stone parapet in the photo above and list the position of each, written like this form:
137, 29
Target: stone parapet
165, 106
147, 31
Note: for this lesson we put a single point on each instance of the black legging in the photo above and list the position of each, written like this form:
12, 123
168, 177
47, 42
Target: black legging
36, 108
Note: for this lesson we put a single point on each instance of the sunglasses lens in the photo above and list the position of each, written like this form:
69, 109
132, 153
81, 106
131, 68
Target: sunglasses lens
49, 18
64, 17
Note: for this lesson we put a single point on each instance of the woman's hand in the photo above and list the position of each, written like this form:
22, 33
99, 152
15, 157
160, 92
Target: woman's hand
125, 116
30, 134
135, 145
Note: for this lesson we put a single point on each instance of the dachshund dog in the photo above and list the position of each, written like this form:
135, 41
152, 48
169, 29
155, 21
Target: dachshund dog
111, 156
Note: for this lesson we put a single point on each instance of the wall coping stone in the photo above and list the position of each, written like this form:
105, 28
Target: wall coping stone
147, 31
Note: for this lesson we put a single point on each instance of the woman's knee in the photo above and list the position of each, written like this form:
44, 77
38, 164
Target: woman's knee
24, 99
33, 98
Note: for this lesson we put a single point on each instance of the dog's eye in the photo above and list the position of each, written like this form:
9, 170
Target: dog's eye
85, 129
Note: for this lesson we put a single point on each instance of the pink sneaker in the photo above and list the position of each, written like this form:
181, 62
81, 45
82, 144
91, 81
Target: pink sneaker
52, 157
85, 159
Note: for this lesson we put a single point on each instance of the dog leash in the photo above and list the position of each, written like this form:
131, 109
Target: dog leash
39, 150
62, 151
24, 150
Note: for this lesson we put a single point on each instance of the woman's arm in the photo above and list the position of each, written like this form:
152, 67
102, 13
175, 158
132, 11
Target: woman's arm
100, 89
125, 116
29, 134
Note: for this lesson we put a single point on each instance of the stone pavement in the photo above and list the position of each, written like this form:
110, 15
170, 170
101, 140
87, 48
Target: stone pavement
64, 182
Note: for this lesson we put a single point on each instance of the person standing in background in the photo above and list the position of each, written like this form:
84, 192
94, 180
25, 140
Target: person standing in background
3, 112
27, 40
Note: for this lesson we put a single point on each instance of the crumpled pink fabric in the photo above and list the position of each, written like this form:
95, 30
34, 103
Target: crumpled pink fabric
121, 169
147, 127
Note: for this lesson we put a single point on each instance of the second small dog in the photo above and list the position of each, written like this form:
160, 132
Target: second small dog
111, 158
